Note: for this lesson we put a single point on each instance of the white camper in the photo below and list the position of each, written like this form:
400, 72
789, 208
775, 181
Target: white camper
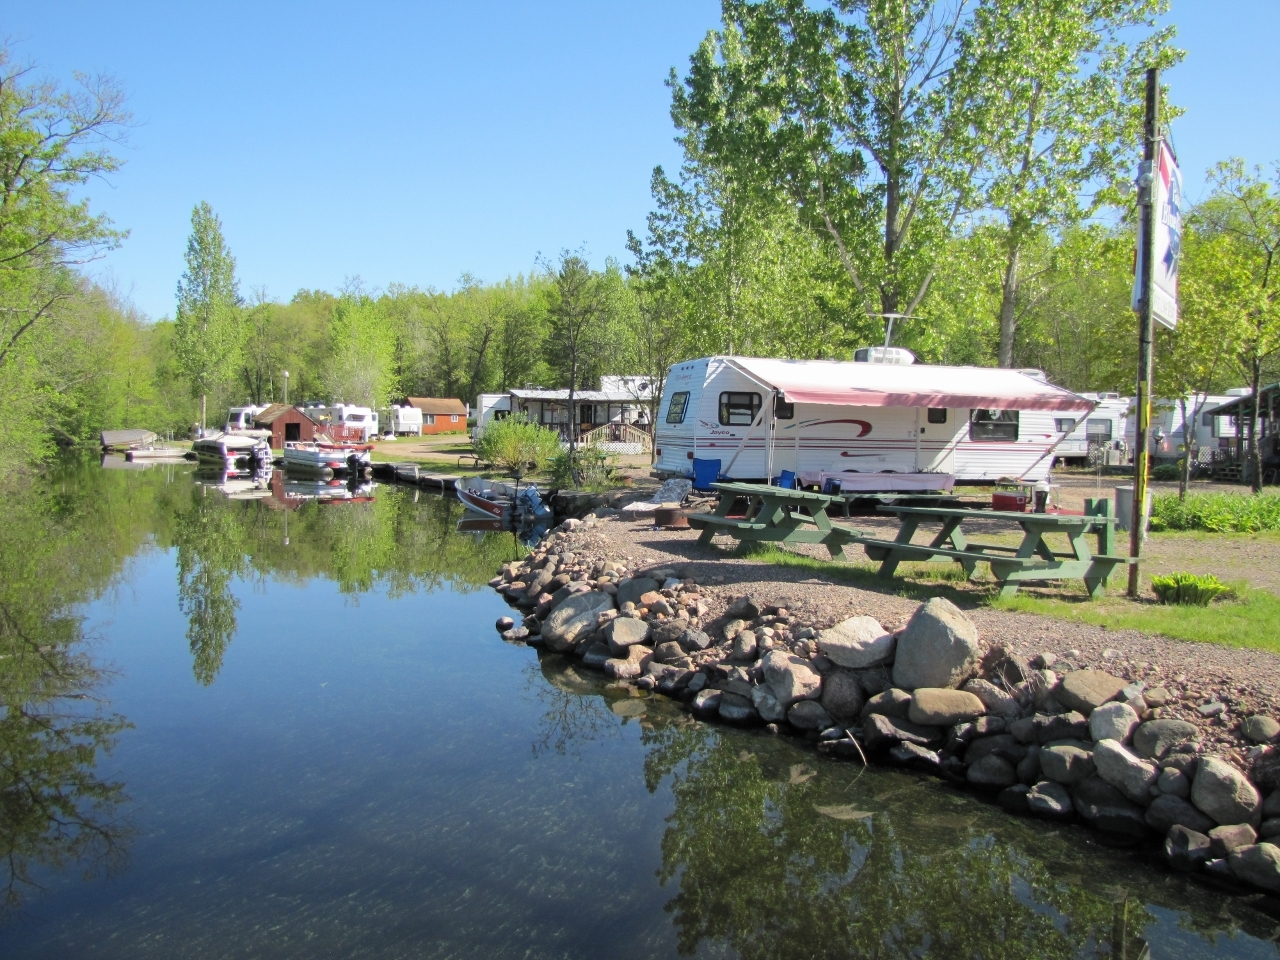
240, 419
362, 418
1100, 435
406, 421
874, 426
1168, 433
490, 406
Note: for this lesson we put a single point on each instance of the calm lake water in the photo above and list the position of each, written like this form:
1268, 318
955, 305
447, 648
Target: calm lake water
272, 727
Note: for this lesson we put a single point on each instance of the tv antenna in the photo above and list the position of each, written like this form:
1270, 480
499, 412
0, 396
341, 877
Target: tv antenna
888, 327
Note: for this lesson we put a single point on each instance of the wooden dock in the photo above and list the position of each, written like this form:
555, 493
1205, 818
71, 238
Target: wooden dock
412, 473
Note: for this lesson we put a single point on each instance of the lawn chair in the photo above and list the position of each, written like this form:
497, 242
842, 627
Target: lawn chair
705, 473
786, 480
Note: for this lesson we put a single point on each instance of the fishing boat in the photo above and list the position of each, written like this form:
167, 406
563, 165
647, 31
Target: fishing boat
490, 497
319, 458
232, 452
161, 454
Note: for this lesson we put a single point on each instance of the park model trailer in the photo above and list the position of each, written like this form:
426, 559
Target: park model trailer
1099, 437
875, 426
1168, 432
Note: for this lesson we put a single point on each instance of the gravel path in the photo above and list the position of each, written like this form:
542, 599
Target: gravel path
1246, 681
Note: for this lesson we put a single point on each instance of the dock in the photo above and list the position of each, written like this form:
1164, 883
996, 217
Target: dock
412, 473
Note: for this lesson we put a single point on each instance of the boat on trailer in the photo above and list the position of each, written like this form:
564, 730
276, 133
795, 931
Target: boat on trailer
318, 458
232, 452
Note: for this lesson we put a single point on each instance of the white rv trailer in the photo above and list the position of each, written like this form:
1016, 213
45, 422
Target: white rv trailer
240, 419
490, 406
1102, 431
898, 426
1167, 433
406, 421
362, 418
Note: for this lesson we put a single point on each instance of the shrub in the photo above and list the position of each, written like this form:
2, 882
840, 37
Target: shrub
1189, 589
1216, 512
590, 468
517, 445
1167, 471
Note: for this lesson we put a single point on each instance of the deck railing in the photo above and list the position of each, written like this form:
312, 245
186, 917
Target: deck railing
619, 433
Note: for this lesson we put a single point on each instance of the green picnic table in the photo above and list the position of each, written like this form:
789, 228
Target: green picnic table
1033, 559
774, 515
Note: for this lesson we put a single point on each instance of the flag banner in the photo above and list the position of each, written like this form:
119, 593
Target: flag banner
1167, 214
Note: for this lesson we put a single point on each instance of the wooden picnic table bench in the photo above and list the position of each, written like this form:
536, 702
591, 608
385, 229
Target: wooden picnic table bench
1033, 559
774, 516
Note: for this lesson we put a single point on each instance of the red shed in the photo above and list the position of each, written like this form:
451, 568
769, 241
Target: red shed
440, 415
286, 423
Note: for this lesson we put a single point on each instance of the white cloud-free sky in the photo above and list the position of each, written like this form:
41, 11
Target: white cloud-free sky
413, 142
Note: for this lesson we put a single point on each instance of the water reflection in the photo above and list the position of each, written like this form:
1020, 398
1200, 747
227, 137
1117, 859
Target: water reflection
772, 852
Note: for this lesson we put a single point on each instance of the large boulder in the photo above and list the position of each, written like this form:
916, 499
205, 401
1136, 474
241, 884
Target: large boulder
809, 715
767, 705
1224, 793
630, 591
1155, 738
943, 708
1106, 808
1129, 774
1260, 728
791, 678
1050, 799
1185, 849
1060, 726
1167, 811
842, 695
857, 643
1066, 761
891, 703
1232, 836
992, 773
1112, 721
997, 701
623, 633
735, 709
1086, 690
1001, 744
938, 648
630, 666
882, 732
573, 619
1258, 864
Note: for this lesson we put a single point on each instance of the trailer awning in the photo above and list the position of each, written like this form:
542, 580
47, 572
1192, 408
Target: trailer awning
882, 385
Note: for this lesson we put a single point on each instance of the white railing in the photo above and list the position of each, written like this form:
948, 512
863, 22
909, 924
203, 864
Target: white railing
622, 434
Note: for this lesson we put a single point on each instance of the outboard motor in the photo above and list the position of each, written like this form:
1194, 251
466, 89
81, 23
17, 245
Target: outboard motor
530, 504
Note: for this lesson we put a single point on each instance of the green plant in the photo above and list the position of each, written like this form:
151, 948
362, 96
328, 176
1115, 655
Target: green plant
1216, 512
517, 445
1189, 589
1167, 471
590, 467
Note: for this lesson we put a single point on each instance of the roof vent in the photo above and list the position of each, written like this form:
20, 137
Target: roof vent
1239, 392
895, 356
1033, 373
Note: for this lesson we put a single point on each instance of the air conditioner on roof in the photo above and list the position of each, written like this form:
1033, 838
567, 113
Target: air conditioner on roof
897, 356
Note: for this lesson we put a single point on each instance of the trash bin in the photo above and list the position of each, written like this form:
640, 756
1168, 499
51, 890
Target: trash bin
1124, 508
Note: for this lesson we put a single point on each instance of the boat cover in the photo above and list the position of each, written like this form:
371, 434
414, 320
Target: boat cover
882, 385
119, 439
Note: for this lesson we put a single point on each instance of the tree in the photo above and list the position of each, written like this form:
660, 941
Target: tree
577, 313
260, 353
1234, 275
1069, 125
361, 364
207, 326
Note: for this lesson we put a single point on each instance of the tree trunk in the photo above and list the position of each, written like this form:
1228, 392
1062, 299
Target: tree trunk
1008, 304
202, 411
1188, 432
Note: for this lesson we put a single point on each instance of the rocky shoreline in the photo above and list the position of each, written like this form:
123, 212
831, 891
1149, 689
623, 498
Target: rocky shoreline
1046, 736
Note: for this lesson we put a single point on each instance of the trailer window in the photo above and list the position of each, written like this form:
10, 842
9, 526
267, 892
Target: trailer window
1064, 424
993, 425
1098, 429
783, 410
937, 414
675, 412
739, 409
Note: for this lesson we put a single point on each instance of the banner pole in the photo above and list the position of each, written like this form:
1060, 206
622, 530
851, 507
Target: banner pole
1146, 264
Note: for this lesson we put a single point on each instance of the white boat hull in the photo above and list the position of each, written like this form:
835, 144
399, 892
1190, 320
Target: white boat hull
325, 458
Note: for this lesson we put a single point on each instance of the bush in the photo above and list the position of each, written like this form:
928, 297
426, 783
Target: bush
1216, 512
517, 445
591, 468
1167, 471
1189, 589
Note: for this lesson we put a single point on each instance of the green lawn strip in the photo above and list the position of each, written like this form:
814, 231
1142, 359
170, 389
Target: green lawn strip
1251, 620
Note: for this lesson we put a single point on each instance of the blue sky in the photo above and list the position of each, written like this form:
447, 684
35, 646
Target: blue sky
413, 142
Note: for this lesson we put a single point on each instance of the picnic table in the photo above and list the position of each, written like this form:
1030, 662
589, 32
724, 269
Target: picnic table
774, 515
1033, 559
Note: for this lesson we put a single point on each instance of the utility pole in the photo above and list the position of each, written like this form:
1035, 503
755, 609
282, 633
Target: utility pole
1146, 264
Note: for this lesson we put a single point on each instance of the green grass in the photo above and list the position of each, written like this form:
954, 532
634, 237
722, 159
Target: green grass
1252, 620
1216, 512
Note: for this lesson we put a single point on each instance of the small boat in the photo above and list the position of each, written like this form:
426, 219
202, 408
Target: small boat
491, 497
326, 459
232, 452
480, 525
171, 454
119, 440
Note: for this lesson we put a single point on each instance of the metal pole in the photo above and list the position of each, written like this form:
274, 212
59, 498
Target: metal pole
1146, 263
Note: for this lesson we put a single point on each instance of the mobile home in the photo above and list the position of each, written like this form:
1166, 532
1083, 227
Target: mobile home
1101, 434
874, 426
1168, 433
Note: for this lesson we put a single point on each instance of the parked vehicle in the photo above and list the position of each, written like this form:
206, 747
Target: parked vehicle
406, 421
1098, 437
892, 425
241, 419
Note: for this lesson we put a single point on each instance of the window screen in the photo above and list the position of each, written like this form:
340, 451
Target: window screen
1097, 429
739, 409
675, 412
783, 410
937, 414
993, 425
1064, 424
